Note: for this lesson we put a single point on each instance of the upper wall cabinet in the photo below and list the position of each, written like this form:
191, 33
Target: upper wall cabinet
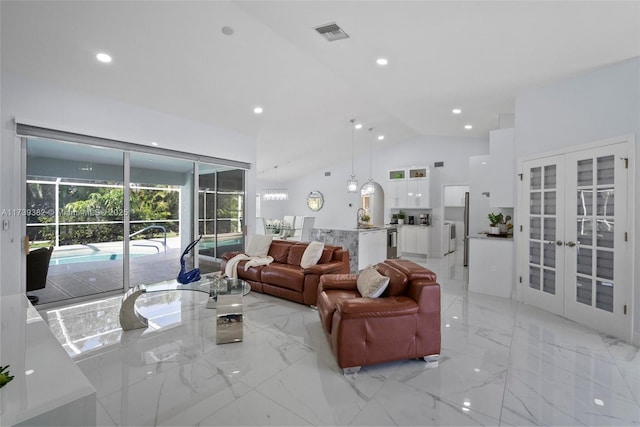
419, 172
411, 189
502, 184
397, 175
454, 195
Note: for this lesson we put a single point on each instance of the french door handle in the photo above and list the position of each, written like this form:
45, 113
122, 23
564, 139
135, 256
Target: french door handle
570, 244
559, 243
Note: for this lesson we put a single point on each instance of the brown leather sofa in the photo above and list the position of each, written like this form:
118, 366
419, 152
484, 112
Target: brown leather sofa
284, 277
403, 323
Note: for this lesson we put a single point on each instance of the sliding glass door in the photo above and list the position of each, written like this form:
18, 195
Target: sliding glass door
160, 209
74, 198
118, 217
221, 200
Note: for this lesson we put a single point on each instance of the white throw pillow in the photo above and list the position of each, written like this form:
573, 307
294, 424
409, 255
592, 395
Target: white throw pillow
312, 254
371, 284
259, 245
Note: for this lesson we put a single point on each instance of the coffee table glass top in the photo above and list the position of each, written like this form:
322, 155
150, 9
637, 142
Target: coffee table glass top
213, 284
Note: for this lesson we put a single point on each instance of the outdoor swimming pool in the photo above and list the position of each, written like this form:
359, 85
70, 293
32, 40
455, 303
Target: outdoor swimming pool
94, 257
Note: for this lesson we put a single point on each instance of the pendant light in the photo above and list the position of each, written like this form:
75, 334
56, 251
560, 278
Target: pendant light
352, 183
275, 194
368, 187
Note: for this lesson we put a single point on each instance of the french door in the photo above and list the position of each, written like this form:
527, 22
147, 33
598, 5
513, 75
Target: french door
576, 227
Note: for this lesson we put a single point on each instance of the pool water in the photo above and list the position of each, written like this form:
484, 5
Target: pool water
96, 257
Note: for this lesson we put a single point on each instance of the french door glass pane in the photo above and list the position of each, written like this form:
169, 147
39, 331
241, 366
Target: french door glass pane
605, 202
550, 255
534, 277
549, 229
585, 231
550, 202
584, 261
535, 182
585, 173
604, 264
583, 290
534, 252
585, 202
606, 170
550, 177
604, 295
604, 237
535, 204
549, 281
535, 224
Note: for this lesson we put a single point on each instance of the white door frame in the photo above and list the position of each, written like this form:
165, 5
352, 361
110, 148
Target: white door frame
521, 209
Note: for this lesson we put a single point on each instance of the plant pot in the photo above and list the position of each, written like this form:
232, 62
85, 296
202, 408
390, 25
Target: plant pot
400, 221
494, 230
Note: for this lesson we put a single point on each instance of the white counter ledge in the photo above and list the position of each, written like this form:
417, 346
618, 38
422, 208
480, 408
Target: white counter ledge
48, 389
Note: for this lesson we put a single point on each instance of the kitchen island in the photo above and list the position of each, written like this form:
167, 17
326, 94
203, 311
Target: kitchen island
365, 245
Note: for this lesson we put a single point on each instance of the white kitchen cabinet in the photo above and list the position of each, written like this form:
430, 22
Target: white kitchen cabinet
418, 194
395, 194
454, 195
372, 247
414, 239
502, 180
491, 266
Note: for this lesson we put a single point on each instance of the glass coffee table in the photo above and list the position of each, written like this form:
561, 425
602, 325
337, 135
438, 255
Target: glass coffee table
225, 295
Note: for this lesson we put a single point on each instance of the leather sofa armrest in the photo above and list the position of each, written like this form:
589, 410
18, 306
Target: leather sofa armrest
330, 267
426, 294
338, 281
228, 255
359, 308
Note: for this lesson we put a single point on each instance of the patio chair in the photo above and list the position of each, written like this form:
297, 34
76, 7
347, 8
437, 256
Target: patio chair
37, 270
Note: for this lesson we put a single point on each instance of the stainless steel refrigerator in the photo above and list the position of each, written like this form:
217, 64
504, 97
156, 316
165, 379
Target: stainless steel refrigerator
466, 230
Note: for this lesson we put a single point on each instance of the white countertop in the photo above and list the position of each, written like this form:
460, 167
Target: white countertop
45, 377
508, 238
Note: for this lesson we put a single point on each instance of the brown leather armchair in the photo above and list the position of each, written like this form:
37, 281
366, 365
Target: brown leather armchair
404, 323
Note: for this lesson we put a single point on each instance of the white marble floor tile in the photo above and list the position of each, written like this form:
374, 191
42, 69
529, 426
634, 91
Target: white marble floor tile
466, 379
253, 409
502, 363
319, 394
402, 405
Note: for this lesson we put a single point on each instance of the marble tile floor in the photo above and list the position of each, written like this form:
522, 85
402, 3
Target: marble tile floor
502, 363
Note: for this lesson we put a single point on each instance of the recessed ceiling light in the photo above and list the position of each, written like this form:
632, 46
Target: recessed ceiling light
468, 127
103, 57
382, 61
380, 137
456, 111
227, 31
358, 126
155, 144
598, 402
258, 110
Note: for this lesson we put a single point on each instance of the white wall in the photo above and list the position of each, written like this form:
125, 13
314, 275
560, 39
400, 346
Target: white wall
599, 104
420, 151
55, 107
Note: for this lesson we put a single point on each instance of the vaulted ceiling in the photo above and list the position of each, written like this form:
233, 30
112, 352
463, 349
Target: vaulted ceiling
174, 57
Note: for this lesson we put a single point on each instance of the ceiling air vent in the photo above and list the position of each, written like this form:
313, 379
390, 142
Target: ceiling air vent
332, 32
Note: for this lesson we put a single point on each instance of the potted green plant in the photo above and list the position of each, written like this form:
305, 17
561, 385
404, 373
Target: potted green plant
5, 378
400, 217
494, 222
